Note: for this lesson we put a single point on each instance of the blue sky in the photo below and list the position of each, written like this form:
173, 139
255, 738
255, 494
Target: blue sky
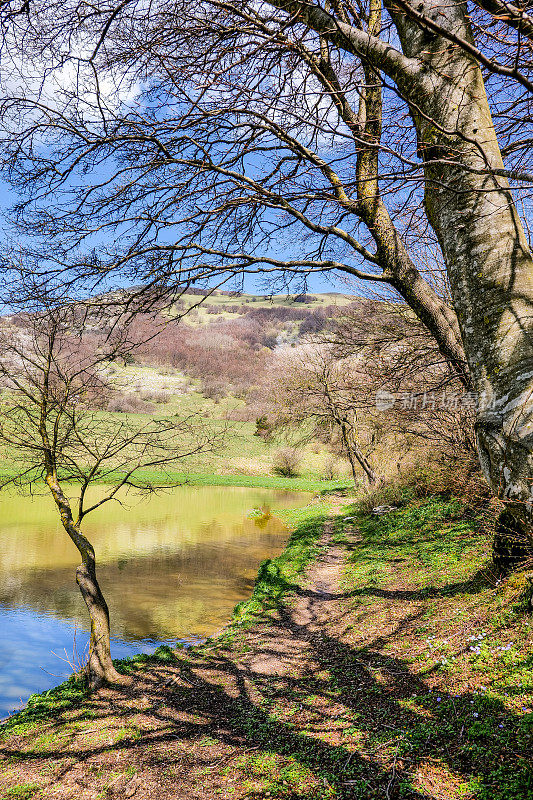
253, 284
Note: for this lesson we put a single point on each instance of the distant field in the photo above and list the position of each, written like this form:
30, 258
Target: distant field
168, 392
200, 313
219, 369
242, 452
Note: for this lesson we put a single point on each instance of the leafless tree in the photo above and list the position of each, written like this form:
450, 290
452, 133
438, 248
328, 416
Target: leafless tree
55, 434
320, 392
289, 137
417, 392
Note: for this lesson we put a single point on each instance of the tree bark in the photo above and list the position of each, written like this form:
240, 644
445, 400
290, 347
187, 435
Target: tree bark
99, 668
488, 259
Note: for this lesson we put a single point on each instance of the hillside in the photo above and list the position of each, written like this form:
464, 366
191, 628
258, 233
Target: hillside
214, 355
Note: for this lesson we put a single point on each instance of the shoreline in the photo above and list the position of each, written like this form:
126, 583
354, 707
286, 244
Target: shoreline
376, 657
291, 518
173, 479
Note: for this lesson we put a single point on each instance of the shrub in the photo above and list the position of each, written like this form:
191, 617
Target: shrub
155, 396
263, 428
330, 471
287, 462
129, 404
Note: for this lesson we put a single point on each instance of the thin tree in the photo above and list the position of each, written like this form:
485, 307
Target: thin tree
54, 432
316, 389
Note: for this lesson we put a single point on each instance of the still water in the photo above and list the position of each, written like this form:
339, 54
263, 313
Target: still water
171, 566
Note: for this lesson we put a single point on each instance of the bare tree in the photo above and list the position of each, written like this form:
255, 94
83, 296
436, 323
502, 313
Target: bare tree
320, 392
300, 137
418, 391
53, 429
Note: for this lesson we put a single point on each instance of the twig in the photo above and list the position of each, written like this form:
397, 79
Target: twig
393, 776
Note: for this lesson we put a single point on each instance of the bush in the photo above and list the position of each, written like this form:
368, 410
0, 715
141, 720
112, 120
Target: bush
330, 471
287, 462
155, 396
263, 428
129, 404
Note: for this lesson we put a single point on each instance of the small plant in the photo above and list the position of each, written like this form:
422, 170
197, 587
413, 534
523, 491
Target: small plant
330, 469
287, 462
24, 791
263, 428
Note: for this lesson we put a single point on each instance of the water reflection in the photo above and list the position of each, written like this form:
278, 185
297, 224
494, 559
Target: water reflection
172, 566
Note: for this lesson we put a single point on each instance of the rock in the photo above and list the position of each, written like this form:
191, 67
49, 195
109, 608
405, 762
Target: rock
383, 509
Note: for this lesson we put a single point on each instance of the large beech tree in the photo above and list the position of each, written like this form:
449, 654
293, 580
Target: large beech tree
172, 142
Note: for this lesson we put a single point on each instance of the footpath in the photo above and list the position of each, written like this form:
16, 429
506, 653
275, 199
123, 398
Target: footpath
332, 691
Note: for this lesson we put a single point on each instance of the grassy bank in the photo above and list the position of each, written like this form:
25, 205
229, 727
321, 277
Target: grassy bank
421, 583
410, 679
299, 484
170, 478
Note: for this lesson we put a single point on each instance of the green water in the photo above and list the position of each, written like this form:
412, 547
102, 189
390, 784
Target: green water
170, 565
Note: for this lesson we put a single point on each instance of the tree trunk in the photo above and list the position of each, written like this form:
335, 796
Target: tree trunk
356, 456
99, 668
488, 260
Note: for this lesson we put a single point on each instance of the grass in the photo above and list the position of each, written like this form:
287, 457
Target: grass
303, 484
465, 635
41, 707
419, 686
177, 478
23, 791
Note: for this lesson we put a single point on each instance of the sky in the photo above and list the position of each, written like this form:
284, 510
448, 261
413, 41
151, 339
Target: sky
253, 284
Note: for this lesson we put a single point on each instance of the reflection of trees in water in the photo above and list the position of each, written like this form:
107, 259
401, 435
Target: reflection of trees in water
160, 595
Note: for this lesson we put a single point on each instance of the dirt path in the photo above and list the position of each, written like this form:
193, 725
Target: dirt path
191, 728
286, 648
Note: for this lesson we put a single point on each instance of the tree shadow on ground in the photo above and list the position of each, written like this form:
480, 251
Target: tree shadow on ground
356, 722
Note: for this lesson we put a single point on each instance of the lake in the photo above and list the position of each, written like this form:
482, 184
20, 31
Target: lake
171, 566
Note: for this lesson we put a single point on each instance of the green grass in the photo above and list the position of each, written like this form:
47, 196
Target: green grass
437, 537
43, 706
23, 791
254, 481
171, 478
469, 643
